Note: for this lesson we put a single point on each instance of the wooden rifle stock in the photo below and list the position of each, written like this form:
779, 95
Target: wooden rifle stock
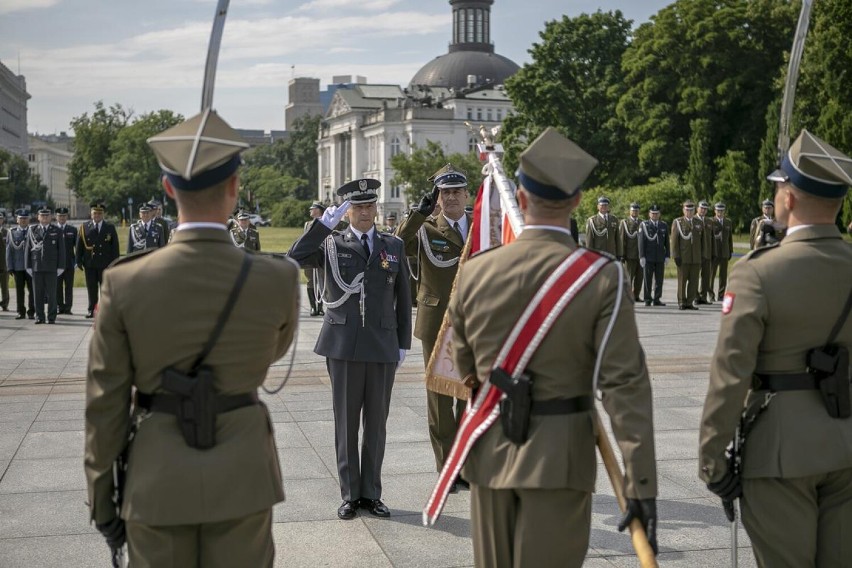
647, 558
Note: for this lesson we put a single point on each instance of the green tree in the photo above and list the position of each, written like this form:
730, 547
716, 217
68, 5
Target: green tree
22, 187
703, 59
699, 174
735, 188
92, 138
413, 170
574, 83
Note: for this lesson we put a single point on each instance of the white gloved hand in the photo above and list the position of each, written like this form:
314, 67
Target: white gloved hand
642, 262
332, 215
59, 271
401, 358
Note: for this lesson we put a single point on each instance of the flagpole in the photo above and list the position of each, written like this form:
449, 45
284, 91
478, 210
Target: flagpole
492, 154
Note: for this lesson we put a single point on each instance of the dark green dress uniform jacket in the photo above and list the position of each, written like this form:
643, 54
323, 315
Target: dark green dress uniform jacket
435, 283
492, 291
169, 483
784, 300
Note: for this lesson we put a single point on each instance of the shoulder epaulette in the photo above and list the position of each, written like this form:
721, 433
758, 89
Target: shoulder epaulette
132, 256
481, 252
602, 253
759, 251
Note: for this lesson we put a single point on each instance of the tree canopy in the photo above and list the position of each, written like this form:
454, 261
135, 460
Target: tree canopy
413, 170
23, 187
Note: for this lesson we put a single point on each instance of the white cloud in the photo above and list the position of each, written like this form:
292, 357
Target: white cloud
338, 4
9, 6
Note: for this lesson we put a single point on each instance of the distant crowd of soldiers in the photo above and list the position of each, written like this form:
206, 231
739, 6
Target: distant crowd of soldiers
701, 246
41, 257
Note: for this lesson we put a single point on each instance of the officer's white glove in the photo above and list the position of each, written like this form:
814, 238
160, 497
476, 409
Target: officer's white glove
59, 271
401, 358
30, 271
642, 262
332, 215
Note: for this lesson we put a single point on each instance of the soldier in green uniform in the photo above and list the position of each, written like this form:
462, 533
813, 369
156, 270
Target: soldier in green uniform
243, 233
628, 246
434, 233
182, 505
723, 248
686, 249
602, 229
768, 208
705, 291
390, 225
531, 502
784, 304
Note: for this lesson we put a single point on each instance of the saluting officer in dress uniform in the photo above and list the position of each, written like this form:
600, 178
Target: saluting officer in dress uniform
768, 208
316, 210
97, 247
437, 242
145, 233
65, 281
653, 254
44, 252
628, 244
783, 302
705, 291
366, 331
531, 504
686, 249
243, 233
184, 506
723, 248
602, 229
16, 263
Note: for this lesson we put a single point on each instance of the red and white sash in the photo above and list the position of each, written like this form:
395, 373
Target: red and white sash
560, 288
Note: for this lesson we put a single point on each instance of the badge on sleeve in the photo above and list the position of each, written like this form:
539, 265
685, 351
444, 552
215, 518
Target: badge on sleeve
728, 302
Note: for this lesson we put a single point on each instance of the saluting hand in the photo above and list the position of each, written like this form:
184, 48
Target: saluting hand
332, 215
428, 202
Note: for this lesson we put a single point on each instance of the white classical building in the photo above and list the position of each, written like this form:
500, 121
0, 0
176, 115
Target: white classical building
13, 111
366, 125
48, 156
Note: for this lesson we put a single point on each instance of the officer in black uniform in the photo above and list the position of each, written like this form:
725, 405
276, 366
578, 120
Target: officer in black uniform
97, 247
653, 254
366, 331
65, 281
16, 264
45, 260
145, 233
157, 213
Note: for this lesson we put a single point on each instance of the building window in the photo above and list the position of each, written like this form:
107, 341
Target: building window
469, 113
470, 25
478, 25
488, 111
395, 192
31, 157
395, 146
479, 114
471, 144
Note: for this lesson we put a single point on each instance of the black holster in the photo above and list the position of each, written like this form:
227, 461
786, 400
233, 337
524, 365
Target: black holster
830, 365
515, 407
197, 409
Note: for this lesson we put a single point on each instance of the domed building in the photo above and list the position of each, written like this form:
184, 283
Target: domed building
471, 60
365, 125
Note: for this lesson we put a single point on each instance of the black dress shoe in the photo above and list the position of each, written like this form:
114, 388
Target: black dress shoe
681, 307
21, 316
51, 321
658, 303
347, 511
647, 302
37, 322
454, 488
462, 483
691, 308
89, 315
375, 507
704, 302
31, 316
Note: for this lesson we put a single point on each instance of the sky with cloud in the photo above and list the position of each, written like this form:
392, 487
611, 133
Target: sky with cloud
148, 55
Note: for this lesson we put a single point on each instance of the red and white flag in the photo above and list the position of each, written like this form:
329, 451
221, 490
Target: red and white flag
491, 225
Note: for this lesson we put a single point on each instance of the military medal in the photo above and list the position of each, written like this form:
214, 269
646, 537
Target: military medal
385, 264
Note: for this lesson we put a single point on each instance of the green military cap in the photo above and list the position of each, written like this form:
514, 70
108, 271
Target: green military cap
554, 167
449, 177
719, 206
704, 204
815, 167
635, 206
199, 152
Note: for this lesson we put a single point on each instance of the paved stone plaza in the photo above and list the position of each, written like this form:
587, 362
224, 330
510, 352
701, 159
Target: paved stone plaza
43, 517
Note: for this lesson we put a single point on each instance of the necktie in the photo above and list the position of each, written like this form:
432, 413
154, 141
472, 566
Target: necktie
457, 227
365, 244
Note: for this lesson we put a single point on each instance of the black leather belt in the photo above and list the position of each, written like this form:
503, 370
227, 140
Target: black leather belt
170, 403
562, 405
786, 382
